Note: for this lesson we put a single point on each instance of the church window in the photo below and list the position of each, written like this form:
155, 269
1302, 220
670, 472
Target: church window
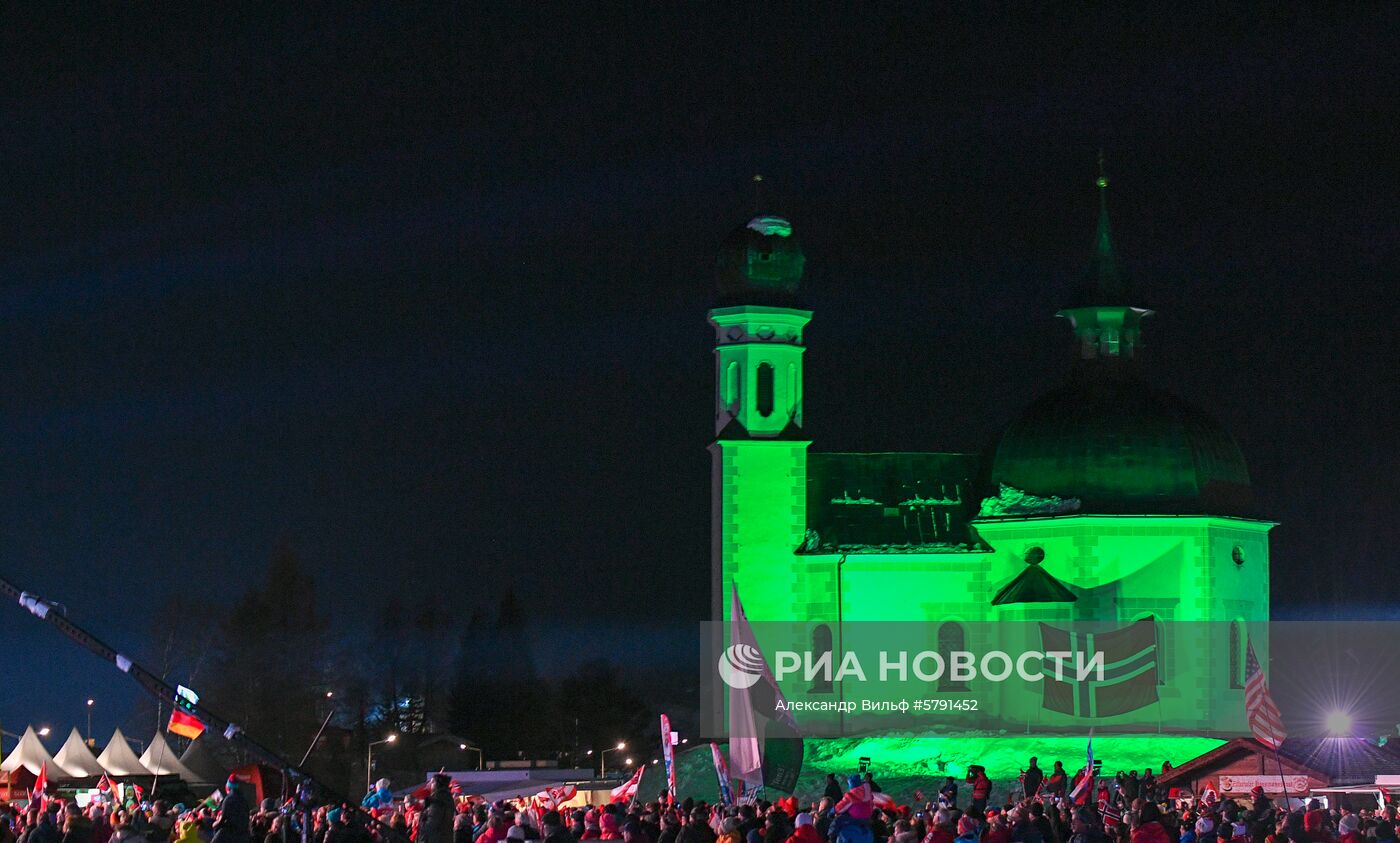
1161, 629
764, 398
951, 637
1236, 655
821, 643
731, 386
792, 390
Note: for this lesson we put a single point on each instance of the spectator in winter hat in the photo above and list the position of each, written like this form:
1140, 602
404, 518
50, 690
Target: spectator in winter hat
607, 826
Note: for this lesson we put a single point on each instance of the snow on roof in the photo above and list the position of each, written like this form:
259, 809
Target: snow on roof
30, 754
118, 759
76, 759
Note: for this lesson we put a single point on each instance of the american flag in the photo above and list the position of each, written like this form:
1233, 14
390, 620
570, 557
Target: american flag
1259, 708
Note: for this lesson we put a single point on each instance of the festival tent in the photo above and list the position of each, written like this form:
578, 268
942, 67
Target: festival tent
160, 759
76, 759
29, 755
118, 759
199, 760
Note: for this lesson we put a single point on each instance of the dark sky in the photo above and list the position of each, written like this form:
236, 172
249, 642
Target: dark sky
422, 292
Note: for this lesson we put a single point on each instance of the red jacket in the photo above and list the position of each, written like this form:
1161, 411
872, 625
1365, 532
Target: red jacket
1150, 833
804, 834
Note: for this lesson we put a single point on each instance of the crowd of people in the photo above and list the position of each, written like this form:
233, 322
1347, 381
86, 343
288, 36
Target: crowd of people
1046, 808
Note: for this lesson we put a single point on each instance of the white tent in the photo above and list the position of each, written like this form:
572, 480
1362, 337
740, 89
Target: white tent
200, 761
76, 759
30, 754
160, 759
118, 759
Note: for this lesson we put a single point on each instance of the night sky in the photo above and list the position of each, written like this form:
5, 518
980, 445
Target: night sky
422, 294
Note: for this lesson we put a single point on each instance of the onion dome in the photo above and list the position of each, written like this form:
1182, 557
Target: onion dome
1107, 439
1122, 447
760, 263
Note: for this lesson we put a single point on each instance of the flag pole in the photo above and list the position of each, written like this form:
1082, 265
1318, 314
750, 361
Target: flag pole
1281, 782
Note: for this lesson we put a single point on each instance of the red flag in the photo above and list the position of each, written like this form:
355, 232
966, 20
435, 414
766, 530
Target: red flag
1263, 715
183, 721
1084, 785
104, 784
41, 784
552, 798
628, 789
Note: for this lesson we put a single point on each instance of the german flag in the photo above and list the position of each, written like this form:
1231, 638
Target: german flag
183, 721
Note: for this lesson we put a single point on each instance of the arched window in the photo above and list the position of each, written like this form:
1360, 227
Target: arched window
731, 387
950, 638
821, 643
1236, 655
1161, 629
764, 398
792, 390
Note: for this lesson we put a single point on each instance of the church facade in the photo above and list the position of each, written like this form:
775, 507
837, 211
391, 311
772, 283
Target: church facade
1107, 507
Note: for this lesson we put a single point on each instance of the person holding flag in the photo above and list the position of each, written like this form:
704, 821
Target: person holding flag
1084, 782
855, 810
37, 796
234, 822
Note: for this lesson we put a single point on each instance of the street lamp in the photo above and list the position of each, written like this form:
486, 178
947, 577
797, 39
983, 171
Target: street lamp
43, 731
369, 759
480, 756
89, 731
603, 758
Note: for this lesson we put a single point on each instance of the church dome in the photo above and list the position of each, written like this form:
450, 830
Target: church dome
760, 262
1122, 447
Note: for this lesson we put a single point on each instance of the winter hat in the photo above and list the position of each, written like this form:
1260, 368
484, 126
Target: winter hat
804, 819
515, 833
1204, 826
966, 825
942, 817
333, 815
854, 781
1348, 824
730, 825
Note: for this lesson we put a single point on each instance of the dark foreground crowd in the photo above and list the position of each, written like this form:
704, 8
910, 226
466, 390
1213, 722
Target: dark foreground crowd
860, 814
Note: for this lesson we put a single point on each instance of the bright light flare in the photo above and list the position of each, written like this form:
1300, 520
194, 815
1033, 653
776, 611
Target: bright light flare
1339, 723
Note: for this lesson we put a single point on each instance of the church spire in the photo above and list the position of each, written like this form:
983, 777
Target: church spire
1108, 281
1103, 314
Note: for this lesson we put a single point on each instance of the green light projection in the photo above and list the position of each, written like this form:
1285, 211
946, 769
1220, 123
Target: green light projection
905, 762
1176, 564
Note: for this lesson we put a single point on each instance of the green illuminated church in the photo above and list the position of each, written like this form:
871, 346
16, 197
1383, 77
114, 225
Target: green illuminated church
1107, 504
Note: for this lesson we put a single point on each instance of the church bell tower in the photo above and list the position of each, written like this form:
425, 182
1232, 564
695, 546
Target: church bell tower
760, 451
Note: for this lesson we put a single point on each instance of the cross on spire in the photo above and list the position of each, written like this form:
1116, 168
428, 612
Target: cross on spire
1108, 280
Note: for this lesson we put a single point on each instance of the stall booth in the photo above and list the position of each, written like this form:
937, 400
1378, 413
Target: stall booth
1300, 767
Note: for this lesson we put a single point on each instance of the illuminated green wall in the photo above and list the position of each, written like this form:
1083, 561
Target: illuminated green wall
1179, 569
